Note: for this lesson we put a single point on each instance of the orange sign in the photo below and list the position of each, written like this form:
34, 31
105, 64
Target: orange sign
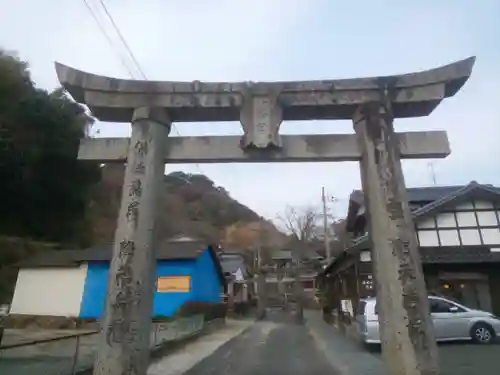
167, 284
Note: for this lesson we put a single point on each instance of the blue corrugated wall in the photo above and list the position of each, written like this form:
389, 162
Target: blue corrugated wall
205, 285
166, 304
94, 291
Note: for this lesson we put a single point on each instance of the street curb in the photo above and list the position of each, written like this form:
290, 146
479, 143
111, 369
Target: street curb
345, 356
232, 339
169, 347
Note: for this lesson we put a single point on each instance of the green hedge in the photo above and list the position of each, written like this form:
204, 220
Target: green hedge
242, 308
209, 310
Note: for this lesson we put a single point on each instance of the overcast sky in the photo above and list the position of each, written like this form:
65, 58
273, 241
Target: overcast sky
223, 40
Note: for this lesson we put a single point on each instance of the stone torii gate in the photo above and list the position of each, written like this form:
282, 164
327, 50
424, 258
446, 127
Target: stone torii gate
371, 103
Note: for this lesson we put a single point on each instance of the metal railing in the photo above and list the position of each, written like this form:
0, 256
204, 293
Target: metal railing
74, 354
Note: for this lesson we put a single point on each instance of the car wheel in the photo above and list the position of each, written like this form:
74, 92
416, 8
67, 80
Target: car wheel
482, 333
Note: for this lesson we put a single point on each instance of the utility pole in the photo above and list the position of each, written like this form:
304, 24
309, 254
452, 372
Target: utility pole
325, 226
433, 172
261, 303
298, 287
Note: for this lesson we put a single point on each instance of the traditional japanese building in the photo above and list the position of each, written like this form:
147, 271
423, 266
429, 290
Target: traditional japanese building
458, 230
281, 274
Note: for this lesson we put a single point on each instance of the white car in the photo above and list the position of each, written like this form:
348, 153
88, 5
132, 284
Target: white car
451, 320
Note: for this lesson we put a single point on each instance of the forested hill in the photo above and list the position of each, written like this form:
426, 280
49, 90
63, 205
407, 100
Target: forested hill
50, 196
50, 199
190, 204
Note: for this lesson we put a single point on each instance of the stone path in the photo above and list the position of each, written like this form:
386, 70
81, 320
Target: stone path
347, 356
180, 361
275, 346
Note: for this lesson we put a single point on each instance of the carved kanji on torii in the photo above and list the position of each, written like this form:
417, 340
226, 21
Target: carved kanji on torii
371, 103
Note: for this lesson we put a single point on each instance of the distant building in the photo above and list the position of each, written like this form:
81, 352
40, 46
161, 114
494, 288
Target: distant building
281, 275
237, 275
458, 231
234, 264
73, 283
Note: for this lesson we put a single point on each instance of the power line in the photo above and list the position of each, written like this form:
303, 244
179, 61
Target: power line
129, 50
120, 35
122, 38
136, 62
110, 41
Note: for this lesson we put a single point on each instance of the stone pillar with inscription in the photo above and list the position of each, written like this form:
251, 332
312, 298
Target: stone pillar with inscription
408, 342
123, 347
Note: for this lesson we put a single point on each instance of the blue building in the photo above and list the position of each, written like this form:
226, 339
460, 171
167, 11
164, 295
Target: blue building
74, 282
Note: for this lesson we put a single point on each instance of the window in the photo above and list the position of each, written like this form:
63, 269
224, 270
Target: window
470, 237
466, 219
446, 220
449, 237
491, 236
483, 204
308, 284
428, 238
365, 256
487, 218
464, 206
440, 306
427, 223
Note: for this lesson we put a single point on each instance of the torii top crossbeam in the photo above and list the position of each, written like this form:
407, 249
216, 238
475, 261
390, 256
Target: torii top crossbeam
412, 95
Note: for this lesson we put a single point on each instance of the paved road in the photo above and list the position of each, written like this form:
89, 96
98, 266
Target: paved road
467, 359
180, 361
275, 346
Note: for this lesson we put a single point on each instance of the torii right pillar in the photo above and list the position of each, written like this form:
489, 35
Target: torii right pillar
408, 349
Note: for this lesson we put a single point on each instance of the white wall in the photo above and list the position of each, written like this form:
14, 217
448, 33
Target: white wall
49, 291
470, 224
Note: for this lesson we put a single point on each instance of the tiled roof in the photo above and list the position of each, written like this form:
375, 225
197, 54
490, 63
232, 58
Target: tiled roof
167, 250
434, 196
432, 193
484, 190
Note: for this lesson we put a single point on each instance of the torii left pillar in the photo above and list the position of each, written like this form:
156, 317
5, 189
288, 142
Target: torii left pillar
123, 347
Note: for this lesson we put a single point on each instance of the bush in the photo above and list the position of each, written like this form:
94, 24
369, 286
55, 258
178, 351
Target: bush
241, 308
162, 319
210, 310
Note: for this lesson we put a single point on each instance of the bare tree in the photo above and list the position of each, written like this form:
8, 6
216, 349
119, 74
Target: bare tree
306, 227
301, 223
